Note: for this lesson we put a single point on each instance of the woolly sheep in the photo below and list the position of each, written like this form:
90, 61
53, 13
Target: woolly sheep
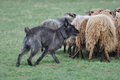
100, 32
80, 23
117, 24
70, 42
54, 24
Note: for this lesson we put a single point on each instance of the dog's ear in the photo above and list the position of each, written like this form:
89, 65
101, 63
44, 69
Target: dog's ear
66, 22
27, 30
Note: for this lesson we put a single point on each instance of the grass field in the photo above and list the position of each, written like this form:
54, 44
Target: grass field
17, 14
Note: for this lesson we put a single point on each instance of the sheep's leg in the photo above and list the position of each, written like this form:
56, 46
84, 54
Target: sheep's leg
78, 50
107, 55
42, 49
69, 51
90, 54
118, 52
24, 51
41, 57
74, 47
75, 54
64, 47
96, 51
102, 56
54, 57
82, 57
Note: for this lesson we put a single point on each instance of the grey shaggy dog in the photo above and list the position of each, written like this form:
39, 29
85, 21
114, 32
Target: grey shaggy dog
45, 37
54, 24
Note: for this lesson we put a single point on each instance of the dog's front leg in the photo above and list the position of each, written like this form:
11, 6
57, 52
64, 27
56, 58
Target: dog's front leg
41, 57
54, 57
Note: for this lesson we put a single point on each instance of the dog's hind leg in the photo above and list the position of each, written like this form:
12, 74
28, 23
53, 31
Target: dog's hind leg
41, 57
31, 56
54, 57
24, 51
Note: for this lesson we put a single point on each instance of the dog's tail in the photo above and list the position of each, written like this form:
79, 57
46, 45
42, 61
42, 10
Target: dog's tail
27, 30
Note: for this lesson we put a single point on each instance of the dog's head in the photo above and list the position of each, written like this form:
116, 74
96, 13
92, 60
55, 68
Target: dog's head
69, 30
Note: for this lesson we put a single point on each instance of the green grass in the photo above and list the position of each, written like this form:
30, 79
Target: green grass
17, 14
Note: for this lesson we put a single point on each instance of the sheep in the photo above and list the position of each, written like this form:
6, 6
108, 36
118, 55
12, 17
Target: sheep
54, 24
117, 24
80, 23
117, 10
94, 11
109, 13
100, 33
70, 42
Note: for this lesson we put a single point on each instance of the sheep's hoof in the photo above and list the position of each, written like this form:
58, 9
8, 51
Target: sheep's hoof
89, 60
101, 60
82, 58
117, 58
72, 57
69, 55
109, 61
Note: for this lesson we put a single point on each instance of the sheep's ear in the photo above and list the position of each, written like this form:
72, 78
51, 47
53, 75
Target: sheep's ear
101, 9
88, 12
66, 22
115, 10
74, 14
113, 13
27, 30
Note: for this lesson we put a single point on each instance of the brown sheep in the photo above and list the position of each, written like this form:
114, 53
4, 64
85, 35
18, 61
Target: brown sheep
117, 24
54, 24
94, 11
117, 10
80, 23
109, 13
100, 32
70, 42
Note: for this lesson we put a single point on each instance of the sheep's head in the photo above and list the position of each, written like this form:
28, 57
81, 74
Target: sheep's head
70, 16
94, 11
117, 10
73, 15
109, 13
117, 19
